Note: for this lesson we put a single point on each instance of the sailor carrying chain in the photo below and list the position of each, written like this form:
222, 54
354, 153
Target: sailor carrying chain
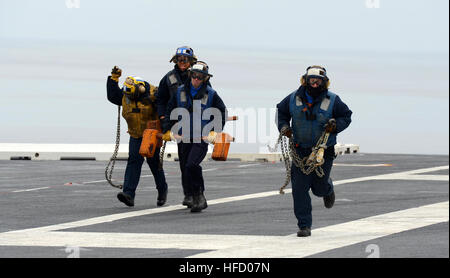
112, 160
307, 164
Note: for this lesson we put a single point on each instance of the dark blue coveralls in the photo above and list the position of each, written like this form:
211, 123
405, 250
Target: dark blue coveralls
168, 87
192, 153
308, 124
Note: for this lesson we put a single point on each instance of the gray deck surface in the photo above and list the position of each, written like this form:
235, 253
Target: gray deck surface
36, 194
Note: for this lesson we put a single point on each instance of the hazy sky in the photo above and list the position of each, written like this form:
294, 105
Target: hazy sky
400, 25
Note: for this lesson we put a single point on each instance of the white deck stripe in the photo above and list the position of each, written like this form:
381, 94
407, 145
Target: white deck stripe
119, 216
237, 246
148, 176
407, 175
127, 240
211, 169
418, 177
248, 165
362, 165
92, 182
32, 189
323, 239
337, 236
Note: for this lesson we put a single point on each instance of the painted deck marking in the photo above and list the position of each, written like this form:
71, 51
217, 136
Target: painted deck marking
240, 246
323, 239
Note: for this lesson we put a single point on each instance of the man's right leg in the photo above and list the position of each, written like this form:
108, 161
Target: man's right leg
160, 178
195, 176
302, 200
132, 172
183, 153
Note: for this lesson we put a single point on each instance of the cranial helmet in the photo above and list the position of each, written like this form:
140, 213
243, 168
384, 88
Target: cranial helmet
201, 67
184, 51
133, 87
315, 72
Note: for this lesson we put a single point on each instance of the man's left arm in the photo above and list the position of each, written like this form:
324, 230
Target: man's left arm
342, 114
218, 103
166, 123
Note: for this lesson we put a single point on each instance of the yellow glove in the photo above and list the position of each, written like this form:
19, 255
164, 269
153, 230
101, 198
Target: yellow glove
168, 136
211, 138
116, 73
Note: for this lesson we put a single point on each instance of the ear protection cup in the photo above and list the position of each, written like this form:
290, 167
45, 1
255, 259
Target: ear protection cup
303, 80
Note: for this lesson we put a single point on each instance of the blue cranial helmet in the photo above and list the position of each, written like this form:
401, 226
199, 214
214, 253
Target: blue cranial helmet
184, 51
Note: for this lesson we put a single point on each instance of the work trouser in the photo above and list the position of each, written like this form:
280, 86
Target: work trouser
134, 166
301, 184
190, 156
184, 183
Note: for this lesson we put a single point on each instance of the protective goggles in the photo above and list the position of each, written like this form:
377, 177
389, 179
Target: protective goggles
315, 81
181, 59
198, 76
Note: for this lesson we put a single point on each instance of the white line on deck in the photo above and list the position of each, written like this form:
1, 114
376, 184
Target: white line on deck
98, 181
142, 176
407, 175
119, 216
362, 165
212, 169
336, 236
247, 165
344, 200
32, 189
240, 246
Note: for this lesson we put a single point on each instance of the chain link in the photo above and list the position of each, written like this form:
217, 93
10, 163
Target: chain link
307, 164
287, 160
112, 160
161, 155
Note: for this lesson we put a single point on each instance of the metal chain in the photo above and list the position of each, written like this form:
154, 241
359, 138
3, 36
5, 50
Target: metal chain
161, 155
311, 163
307, 164
287, 160
112, 160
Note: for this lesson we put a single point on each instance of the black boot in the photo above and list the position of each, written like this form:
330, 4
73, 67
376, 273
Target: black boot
199, 203
202, 202
304, 232
162, 198
328, 201
126, 199
188, 201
